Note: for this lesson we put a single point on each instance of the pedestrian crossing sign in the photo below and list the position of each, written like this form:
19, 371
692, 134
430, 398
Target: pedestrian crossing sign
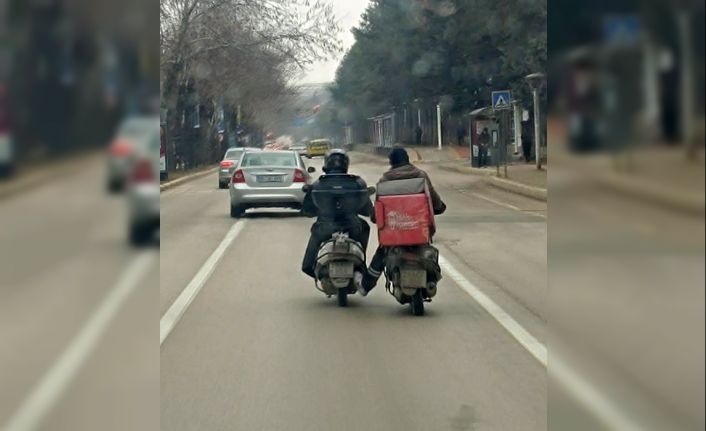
501, 99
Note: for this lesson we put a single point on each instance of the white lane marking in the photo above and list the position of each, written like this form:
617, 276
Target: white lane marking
503, 204
186, 297
587, 394
537, 349
52, 385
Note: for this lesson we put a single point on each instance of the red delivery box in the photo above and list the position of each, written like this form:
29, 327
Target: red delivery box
403, 213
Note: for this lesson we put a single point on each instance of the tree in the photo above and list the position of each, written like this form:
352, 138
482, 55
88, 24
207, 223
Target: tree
239, 52
458, 51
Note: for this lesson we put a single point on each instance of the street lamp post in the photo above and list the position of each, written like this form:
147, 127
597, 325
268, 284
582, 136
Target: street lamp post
438, 123
535, 82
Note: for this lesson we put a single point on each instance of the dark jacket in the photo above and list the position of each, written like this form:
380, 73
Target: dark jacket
408, 171
337, 182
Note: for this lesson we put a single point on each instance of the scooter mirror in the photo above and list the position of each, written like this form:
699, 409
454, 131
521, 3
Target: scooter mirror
371, 190
311, 169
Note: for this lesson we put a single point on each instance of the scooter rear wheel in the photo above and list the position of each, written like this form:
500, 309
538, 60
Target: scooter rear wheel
342, 298
418, 303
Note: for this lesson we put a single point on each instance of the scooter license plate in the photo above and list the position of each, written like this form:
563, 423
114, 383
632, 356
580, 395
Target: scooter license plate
340, 269
413, 278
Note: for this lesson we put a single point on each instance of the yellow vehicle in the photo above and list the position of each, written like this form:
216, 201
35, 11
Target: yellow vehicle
318, 147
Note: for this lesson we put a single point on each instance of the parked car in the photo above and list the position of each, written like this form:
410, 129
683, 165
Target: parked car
163, 174
318, 148
268, 180
122, 150
228, 164
142, 184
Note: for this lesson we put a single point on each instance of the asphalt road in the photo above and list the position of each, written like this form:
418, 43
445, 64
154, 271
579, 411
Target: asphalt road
78, 310
260, 349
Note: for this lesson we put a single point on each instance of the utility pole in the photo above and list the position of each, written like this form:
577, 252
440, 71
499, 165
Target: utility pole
438, 123
517, 121
535, 81
687, 87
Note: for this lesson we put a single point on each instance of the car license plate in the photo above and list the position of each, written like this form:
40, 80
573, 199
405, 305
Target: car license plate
340, 269
270, 179
413, 278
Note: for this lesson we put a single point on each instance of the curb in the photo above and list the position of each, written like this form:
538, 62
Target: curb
517, 188
691, 203
171, 184
29, 181
14, 187
502, 183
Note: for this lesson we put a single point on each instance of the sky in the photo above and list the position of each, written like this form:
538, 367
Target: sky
348, 13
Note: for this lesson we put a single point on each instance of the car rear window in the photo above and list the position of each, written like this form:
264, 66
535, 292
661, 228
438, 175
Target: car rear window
233, 155
269, 159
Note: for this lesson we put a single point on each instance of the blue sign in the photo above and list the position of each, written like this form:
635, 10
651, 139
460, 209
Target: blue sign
501, 99
622, 29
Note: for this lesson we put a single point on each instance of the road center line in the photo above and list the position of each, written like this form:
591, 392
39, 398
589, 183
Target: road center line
537, 349
53, 384
186, 297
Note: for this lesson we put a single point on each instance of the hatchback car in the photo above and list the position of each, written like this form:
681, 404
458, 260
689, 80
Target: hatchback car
268, 180
228, 164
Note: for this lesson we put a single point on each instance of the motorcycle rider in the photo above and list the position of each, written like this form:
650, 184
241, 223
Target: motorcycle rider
331, 221
400, 169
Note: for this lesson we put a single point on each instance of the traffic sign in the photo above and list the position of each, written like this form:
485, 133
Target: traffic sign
501, 99
624, 30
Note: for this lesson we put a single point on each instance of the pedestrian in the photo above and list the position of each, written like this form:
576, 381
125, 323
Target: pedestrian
418, 133
460, 134
527, 142
483, 144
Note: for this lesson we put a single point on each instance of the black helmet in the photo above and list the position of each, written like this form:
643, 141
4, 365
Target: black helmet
336, 162
398, 157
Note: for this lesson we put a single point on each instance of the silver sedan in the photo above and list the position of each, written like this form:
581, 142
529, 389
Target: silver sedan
268, 179
228, 164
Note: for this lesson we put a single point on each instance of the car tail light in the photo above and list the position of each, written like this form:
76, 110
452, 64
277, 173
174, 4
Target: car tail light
299, 176
238, 177
121, 148
227, 164
142, 172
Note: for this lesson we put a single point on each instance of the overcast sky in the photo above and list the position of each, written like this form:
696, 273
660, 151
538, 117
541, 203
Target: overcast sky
348, 13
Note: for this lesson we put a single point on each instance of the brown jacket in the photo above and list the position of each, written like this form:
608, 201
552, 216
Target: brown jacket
408, 171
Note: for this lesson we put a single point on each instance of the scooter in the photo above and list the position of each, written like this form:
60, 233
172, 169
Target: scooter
339, 258
337, 262
412, 274
405, 222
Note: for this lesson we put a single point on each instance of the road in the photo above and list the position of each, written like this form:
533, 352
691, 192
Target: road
78, 309
260, 349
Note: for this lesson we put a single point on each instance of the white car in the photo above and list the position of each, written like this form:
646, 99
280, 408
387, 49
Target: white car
142, 186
